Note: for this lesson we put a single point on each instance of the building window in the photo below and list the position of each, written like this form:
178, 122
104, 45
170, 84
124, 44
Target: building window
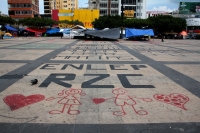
103, 5
130, 8
114, 5
114, 12
103, 12
130, 2
139, 14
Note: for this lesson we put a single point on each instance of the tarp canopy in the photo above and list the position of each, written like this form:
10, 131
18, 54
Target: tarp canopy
66, 30
36, 30
138, 32
51, 31
108, 33
78, 27
183, 33
10, 28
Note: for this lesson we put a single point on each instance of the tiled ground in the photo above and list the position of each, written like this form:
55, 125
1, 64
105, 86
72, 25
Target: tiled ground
99, 86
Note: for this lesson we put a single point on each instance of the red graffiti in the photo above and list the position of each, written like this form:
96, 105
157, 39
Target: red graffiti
122, 99
98, 100
69, 99
175, 99
17, 101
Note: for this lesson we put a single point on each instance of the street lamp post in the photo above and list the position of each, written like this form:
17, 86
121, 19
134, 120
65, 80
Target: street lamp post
122, 16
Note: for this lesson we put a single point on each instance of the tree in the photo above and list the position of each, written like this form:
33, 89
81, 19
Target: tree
136, 23
36, 22
166, 23
6, 20
161, 23
107, 22
67, 23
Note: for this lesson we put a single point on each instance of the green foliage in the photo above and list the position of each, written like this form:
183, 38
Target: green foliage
107, 22
136, 23
166, 23
6, 20
162, 23
36, 22
76, 22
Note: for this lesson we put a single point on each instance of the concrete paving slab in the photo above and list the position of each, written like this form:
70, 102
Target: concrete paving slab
143, 87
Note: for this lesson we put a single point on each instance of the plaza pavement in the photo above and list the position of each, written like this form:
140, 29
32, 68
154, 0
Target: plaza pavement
87, 86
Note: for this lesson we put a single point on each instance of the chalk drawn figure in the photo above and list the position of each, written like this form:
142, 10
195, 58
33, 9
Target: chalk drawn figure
122, 99
69, 98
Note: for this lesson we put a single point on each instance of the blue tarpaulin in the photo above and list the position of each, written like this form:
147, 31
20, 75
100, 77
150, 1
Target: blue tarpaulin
138, 32
10, 28
51, 31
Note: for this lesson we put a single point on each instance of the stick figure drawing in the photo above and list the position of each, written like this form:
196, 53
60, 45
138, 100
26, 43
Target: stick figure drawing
69, 98
122, 99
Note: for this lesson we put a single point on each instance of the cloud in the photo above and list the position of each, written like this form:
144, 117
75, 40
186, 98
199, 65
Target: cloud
162, 8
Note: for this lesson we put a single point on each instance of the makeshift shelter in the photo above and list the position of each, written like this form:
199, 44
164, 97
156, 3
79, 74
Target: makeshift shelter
78, 27
107, 33
51, 31
38, 32
183, 33
66, 30
10, 28
138, 32
66, 33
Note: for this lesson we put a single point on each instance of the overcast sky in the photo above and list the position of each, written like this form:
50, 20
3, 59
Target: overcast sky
157, 5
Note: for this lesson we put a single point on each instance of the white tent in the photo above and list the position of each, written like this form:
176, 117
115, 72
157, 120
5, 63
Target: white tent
78, 27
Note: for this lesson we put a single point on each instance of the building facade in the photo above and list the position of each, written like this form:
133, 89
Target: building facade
190, 11
193, 25
18, 9
113, 7
50, 5
156, 13
86, 16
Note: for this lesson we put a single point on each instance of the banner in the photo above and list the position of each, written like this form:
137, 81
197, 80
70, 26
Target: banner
129, 13
189, 8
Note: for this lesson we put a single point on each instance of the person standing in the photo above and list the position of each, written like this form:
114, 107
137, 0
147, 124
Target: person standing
61, 36
2, 34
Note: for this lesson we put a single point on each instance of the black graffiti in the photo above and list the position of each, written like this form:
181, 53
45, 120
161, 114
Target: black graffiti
126, 84
137, 67
49, 66
113, 67
89, 66
61, 79
88, 84
58, 79
78, 68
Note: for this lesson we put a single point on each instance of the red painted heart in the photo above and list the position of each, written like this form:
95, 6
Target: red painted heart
175, 99
17, 101
98, 100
